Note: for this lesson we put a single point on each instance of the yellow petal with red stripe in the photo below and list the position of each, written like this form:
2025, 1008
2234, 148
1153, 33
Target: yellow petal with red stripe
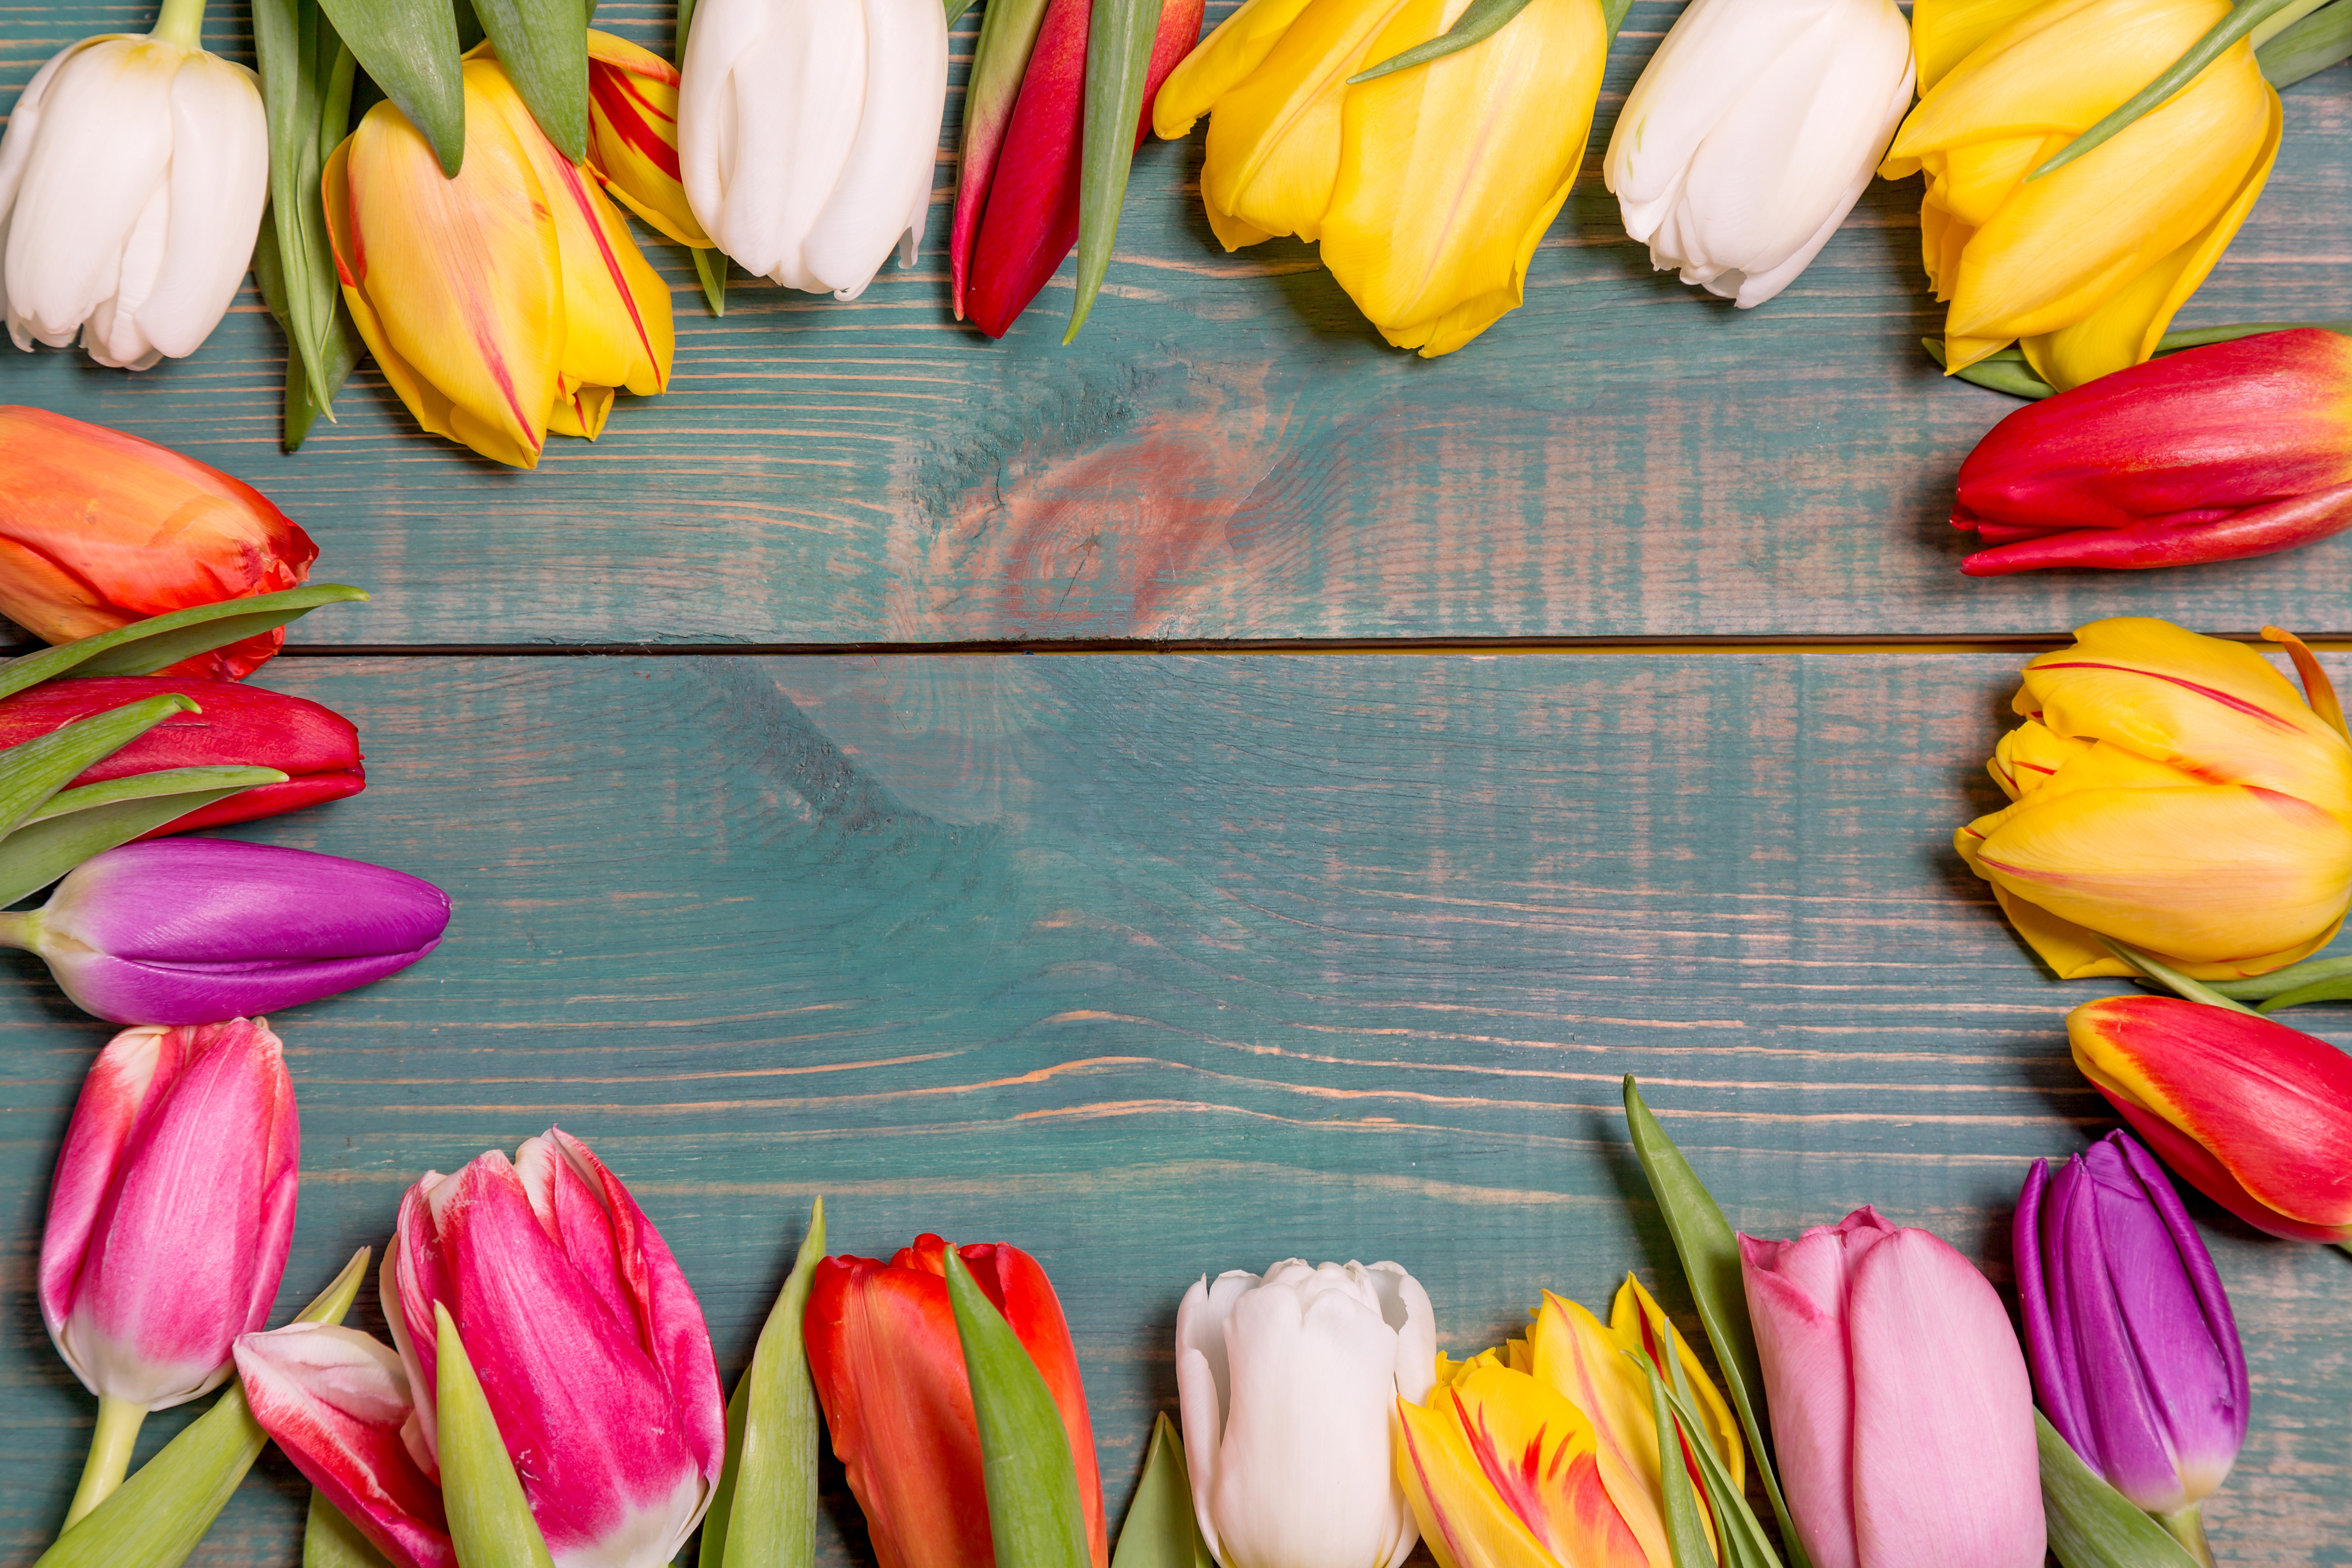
1582, 1359
1640, 1324
632, 135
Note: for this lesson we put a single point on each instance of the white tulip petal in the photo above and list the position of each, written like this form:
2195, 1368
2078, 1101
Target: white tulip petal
887, 176
113, 335
219, 182
708, 141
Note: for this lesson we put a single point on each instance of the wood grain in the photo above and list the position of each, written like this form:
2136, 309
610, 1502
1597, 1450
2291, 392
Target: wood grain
1164, 965
1229, 452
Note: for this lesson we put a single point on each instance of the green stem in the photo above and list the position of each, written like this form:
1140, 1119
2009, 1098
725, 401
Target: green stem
2172, 979
110, 1442
2188, 1526
20, 929
181, 22
2241, 22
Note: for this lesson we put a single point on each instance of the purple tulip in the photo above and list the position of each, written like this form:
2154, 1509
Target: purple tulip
189, 931
2135, 1354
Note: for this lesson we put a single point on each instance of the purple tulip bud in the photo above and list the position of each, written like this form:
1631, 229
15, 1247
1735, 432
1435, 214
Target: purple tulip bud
2134, 1351
190, 931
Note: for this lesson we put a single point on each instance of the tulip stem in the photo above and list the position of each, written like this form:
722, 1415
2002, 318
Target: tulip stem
181, 22
110, 1442
2188, 1526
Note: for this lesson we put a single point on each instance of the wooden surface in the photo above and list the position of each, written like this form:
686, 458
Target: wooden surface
1160, 965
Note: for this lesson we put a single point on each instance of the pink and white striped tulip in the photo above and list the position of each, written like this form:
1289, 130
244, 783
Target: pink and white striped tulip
589, 1343
336, 1402
1901, 1410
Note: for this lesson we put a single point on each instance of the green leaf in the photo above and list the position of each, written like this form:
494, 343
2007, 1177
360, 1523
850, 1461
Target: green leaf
955, 10
1120, 33
2171, 979
55, 841
763, 1514
1161, 1532
1745, 1542
543, 44
409, 48
2198, 337
1709, 1252
490, 1519
142, 647
2301, 995
2247, 15
2319, 40
155, 1519
710, 267
1480, 20
2279, 982
306, 93
2092, 1525
213, 779
32, 770
331, 1541
1033, 1515
1685, 1530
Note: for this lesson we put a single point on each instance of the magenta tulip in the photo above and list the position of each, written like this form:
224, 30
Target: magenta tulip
1900, 1407
169, 1221
590, 1346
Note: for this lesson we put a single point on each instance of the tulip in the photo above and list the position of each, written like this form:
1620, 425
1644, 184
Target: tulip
2220, 453
2134, 1350
191, 930
314, 746
1901, 1412
632, 135
132, 176
1288, 1385
1753, 133
889, 1372
2084, 266
80, 553
2256, 1116
169, 1223
588, 1341
1017, 211
1428, 187
2173, 792
336, 1402
806, 133
505, 303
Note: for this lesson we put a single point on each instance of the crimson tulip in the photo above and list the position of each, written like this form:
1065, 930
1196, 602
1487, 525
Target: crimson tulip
888, 1369
2218, 453
99, 529
315, 747
1016, 212
2256, 1116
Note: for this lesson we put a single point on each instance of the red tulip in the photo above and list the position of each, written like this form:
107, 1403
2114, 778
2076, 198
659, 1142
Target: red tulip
99, 529
2256, 1116
888, 1369
1016, 213
315, 747
2220, 453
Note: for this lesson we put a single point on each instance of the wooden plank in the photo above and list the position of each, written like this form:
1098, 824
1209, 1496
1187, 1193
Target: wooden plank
1159, 966
1229, 452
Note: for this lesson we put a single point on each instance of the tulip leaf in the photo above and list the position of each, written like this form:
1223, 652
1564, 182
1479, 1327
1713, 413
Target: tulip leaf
2171, 979
220, 780
763, 1513
336, 358
155, 1519
306, 94
142, 647
2091, 1524
1709, 1252
2198, 337
490, 1519
1161, 1532
2312, 45
49, 846
32, 771
409, 48
2242, 20
331, 1541
2004, 372
1742, 1533
543, 45
1685, 1529
2279, 982
1480, 20
1035, 1517
2303, 995
955, 10
1119, 36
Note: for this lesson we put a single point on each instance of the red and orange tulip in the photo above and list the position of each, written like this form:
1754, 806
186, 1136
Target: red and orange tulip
2257, 1116
632, 135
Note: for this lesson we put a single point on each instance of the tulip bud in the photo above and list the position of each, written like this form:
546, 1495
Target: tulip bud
1753, 133
2220, 453
1901, 1412
80, 553
2134, 1350
314, 746
2256, 1116
132, 174
1289, 1385
632, 135
169, 1221
189, 929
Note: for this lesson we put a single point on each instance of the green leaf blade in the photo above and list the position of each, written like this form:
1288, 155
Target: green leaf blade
2091, 1524
33, 771
2242, 20
1160, 1531
409, 48
47, 848
142, 647
2319, 40
490, 1522
1119, 36
1480, 20
1033, 1512
331, 1541
543, 45
763, 1513
1686, 1531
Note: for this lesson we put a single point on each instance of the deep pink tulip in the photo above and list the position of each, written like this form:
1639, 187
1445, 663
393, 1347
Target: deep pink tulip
1900, 1406
589, 1343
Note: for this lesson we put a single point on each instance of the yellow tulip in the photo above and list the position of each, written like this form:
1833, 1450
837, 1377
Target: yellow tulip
2174, 792
1428, 188
2084, 266
504, 303
632, 135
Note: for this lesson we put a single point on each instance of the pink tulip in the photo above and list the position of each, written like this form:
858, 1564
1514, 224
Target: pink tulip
336, 1402
169, 1221
1901, 1410
590, 1346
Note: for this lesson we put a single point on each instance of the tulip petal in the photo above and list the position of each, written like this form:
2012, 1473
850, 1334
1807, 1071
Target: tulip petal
1575, 1354
1797, 1301
1640, 1324
1225, 58
219, 177
633, 135
883, 192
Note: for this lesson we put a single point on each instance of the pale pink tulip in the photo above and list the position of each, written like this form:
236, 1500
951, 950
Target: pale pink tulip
1901, 1411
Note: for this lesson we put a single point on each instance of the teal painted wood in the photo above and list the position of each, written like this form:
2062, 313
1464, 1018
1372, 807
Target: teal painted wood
1159, 966
1229, 451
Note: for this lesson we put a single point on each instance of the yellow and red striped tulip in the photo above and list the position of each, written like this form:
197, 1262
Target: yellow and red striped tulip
633, 135
2172, 792
1503, 1472
505, 303
2084, 266
2257, 1116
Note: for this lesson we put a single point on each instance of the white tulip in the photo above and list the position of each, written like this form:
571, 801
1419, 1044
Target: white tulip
807, 130
1288, 1385
1753, 133
132, 176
